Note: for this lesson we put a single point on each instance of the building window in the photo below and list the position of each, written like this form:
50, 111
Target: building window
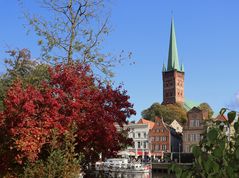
138, 135
198, 137
145, 135
164, 147
157, 147
153, 147
138, 144
193, 137
152, 138
163, 129
185, 136
133, 135
191, 123
187, 149
197, 123
145, 144
158, 123
163, 138
157, 138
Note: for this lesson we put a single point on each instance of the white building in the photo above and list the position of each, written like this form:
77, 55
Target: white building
139, 133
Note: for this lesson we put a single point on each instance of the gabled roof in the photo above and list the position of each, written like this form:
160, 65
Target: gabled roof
164, 124
195, 109
221, 118
144, 121
188, 105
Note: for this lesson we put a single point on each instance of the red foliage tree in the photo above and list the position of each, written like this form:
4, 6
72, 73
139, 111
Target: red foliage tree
73, 94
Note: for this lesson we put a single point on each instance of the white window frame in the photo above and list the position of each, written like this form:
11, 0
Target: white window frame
164, 147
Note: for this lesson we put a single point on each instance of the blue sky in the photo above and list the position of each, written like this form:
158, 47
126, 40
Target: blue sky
207, 39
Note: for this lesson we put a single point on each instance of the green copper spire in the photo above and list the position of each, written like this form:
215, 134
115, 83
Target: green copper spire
173, 52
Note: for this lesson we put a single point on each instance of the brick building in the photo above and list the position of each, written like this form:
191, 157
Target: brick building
139, 133
194, 128
163, 138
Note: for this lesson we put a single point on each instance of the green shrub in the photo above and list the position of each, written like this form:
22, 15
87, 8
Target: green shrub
217, 155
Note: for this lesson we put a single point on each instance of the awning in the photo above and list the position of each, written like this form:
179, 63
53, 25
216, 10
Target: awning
126, 153
123, 153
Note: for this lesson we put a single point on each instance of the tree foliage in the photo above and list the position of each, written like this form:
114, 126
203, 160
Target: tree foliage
217, 154
61, 160
20, 66
72, 95
207, 107
168, 112
74, 30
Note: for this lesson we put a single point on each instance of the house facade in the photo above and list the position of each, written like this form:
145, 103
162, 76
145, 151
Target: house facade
194, 128
139, 132
229, 130
163, 138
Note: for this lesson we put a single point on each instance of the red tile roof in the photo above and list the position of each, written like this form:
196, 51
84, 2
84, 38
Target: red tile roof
144, 121
221, 118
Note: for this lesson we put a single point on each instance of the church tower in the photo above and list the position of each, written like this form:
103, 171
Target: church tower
173, 75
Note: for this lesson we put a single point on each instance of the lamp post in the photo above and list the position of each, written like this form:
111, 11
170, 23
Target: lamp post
179, 155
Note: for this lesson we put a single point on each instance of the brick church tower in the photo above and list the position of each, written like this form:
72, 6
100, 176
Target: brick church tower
173, 75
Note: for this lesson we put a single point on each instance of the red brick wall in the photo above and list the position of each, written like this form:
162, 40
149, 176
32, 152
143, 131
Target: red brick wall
158, 131
173, 87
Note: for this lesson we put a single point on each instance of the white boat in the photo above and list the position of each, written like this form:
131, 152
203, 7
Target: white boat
122, 165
